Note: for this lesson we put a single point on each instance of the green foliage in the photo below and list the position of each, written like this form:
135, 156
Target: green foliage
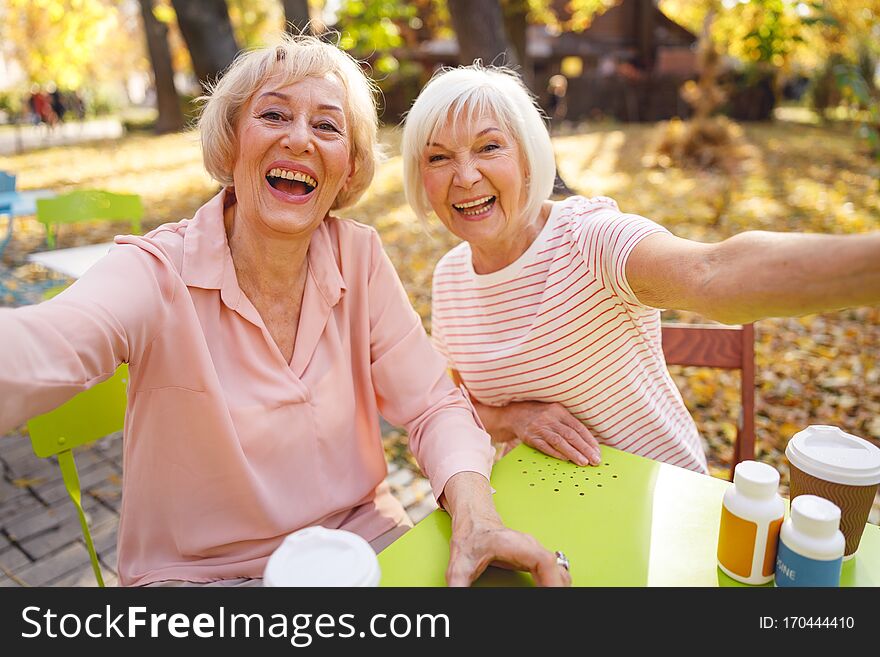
837, 40
71, 42
11, 103
851, 79
583, 11
138, 119
255, 21
370, 28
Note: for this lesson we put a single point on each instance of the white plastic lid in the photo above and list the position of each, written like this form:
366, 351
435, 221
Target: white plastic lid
317, 556
815, 515
830, 454
756, 479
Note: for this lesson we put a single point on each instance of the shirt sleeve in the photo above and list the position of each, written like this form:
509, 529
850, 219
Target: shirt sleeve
51, 351
412, 387
605, 237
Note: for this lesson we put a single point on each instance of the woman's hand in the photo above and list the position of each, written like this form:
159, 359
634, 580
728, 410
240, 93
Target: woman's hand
480, 543
549, 428
552, 429
479, 538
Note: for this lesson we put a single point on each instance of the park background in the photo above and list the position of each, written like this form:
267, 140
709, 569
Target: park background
709, 116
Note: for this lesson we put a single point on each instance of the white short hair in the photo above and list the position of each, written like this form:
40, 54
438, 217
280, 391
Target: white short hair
292, 59
460, 95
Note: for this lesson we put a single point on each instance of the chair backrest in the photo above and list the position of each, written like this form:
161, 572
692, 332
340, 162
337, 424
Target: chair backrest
724, 347
7, 182
90, 415
88, 205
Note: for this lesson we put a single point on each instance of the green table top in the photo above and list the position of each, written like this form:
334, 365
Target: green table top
628, 522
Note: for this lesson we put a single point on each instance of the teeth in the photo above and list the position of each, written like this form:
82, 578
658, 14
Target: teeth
472, 204
294, 175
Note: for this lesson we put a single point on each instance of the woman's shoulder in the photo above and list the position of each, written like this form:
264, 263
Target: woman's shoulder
578, 207
164, 242
201, 238
455, 260
348, 229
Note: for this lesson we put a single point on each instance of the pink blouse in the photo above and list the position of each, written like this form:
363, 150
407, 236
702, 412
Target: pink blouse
228, 448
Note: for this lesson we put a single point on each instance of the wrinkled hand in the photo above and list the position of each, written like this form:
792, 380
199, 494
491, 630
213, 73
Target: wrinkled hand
477, 545
552, 429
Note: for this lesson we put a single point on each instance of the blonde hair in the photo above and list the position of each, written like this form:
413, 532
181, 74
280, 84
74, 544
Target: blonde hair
460, 95
294, 58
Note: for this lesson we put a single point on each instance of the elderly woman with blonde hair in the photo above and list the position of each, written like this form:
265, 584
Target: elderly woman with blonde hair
263, 337
548, 310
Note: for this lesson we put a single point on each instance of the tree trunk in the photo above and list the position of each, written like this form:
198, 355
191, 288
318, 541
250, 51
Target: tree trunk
296, 17
207, 30
167, 102
516, 24
479, 27
646, 15
710, 95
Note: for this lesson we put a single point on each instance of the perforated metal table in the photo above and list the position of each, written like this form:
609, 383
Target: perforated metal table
628, 522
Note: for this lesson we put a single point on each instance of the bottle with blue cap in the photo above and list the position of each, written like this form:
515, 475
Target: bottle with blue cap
811, 544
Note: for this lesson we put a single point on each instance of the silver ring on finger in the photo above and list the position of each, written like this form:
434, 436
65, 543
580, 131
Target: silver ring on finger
562, 560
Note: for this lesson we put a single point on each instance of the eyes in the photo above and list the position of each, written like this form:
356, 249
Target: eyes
272, 115
489, 147
275, 117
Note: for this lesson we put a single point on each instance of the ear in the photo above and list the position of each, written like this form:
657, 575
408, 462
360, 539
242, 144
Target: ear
349, 174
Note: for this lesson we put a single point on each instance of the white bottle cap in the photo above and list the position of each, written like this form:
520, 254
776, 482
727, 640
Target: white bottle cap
756, 479
828, 453
815, 515
317, 556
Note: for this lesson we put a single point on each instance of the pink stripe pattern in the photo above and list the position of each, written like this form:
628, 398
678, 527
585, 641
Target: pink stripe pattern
561, 324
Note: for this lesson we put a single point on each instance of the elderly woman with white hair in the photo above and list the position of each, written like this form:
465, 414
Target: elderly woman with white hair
263, 337
547, 312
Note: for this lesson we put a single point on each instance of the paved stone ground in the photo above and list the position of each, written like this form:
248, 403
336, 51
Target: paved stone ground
40, 539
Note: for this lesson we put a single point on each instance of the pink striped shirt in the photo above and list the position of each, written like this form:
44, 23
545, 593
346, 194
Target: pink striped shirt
561, 324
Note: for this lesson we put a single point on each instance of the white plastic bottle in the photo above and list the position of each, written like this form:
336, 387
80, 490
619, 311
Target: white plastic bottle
810, 545
751, 515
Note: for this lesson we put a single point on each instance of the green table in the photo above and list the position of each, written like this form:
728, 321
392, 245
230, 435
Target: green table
628, 522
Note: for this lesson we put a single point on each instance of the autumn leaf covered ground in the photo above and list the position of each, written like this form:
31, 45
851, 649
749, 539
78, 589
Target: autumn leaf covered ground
819, 369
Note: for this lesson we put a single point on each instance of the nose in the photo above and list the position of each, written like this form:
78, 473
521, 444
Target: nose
298, 136
467, 174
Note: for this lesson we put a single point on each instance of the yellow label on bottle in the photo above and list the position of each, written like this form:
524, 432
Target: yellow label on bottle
736, 543
772, 544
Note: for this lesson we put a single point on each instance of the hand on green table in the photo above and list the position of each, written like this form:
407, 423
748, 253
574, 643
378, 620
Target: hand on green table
480, 538
553, 430
472, 550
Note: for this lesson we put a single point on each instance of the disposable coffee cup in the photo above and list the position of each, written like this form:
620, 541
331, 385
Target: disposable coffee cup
842, 468
317, 556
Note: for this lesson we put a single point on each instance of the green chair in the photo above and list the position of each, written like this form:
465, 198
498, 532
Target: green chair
90, 415
88, 205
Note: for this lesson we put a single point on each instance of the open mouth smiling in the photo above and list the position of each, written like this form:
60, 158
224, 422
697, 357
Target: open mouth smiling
295, 183
475, 207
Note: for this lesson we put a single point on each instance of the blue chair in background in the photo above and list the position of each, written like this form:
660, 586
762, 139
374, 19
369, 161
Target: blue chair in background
7, 184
